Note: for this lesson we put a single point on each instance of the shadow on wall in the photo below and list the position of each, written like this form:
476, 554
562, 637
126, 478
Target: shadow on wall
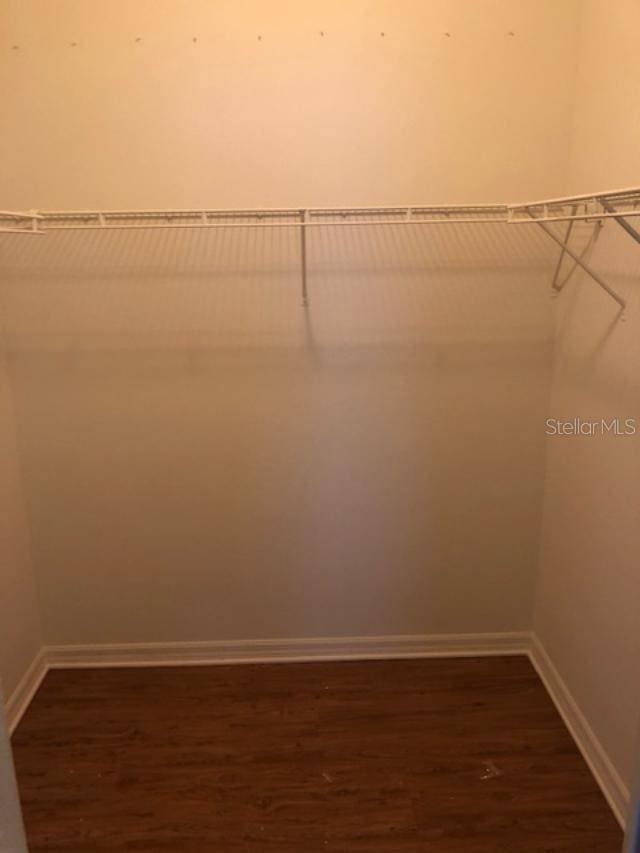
206, 459
594, 338
239, 288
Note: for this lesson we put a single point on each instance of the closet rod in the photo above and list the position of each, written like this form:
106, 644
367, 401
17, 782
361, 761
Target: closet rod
630, 192
132, 225
615, 204
119, 226
12, 222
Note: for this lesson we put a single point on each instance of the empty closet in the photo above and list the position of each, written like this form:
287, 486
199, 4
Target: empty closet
319, 347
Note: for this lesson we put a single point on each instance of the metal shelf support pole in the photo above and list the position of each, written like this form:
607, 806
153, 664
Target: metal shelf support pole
554, 283
631, 231
304, 218
590, 272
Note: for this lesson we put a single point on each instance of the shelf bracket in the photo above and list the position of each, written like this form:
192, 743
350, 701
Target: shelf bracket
631, 231
554, 284
558, 286
12, 222
582, 264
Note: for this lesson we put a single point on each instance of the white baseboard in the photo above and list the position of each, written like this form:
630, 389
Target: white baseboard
21, 697
287, 650
616, 792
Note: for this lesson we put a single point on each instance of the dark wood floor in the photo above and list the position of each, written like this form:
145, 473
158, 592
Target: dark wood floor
451, 756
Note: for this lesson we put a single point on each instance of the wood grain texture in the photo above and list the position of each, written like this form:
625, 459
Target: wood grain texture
446, 755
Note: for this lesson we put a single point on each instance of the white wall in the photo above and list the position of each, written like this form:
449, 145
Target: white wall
20, 636
587, 614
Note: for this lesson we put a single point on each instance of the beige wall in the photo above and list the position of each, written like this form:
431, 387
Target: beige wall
205, 459
20, 636
296, 118
202, 458
588, 613
606, 110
